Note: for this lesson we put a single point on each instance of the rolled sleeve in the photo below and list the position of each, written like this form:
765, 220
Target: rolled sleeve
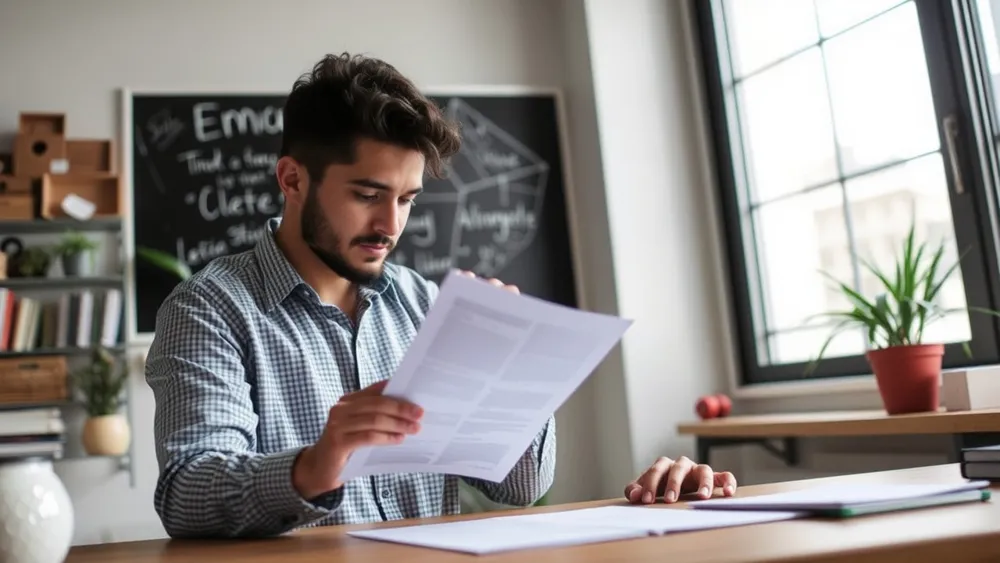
532, 475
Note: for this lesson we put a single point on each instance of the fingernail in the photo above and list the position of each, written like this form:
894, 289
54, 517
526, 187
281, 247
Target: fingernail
633, 495
671, 496
703, 492
647, 497
728, 489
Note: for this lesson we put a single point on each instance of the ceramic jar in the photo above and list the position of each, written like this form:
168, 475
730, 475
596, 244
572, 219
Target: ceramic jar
36, 515
106, 435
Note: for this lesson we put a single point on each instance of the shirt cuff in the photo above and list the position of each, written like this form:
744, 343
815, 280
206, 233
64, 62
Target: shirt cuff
279, 496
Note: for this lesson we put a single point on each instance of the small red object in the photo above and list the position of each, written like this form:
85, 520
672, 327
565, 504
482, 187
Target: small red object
725, 404
707, 407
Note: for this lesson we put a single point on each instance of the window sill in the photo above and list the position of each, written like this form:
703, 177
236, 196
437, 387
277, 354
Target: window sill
859, 384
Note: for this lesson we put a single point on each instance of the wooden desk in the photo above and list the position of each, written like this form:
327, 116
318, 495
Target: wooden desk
969, 428
959, 533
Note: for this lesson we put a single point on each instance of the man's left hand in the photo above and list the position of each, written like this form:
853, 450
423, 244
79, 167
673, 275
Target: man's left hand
673, 478
494, 282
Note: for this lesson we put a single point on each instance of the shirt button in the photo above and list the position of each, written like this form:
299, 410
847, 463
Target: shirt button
386, 493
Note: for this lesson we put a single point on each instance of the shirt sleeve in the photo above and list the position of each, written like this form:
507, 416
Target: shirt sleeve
213, 482
531, 476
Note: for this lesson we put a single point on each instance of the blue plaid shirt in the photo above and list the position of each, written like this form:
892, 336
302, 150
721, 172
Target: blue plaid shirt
244, 368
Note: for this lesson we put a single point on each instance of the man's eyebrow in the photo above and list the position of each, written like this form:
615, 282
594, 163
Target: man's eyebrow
376, 185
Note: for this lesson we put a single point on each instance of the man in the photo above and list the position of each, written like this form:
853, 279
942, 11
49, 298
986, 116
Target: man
267, 366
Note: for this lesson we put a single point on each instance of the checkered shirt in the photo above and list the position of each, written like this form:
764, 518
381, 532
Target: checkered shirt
244, 367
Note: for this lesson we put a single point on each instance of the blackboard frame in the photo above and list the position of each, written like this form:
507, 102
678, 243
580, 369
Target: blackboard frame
461, 90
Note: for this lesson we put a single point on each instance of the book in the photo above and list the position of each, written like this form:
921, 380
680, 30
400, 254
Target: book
857, 499
982, 453
988, 470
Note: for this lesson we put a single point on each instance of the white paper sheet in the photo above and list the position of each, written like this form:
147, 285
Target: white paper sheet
488, 367
492, 535
836, 496
571, 527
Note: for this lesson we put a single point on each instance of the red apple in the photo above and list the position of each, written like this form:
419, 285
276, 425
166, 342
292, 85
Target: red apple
707, 407
725, 404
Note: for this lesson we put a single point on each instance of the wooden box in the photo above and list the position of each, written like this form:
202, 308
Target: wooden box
17, 207
103, 190
87, 156
42, 123
33, 379
15, 185
36, 154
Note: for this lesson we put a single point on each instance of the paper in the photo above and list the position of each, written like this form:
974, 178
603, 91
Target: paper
492, 535
571, 527
836, 496
488, 367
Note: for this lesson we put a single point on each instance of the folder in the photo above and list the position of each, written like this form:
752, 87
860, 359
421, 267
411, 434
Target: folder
843, 501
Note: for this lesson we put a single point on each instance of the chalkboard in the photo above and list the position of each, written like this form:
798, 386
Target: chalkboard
202, 178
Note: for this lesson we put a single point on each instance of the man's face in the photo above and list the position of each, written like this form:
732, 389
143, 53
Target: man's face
352, 219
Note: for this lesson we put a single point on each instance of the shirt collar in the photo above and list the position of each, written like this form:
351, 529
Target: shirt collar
280, 278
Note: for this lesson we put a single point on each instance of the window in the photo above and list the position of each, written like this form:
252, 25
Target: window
836, 124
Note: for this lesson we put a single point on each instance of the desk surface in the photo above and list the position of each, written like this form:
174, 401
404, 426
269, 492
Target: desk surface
957, 533
845, 423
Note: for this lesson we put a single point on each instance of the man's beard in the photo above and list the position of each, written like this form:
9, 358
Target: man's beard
316, 231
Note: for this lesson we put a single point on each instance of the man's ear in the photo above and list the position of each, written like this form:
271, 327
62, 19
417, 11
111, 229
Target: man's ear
292, 179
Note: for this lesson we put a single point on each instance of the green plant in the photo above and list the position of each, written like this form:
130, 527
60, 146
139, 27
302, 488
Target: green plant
101, 383
905, 306
33, 262
164, 261
73, 243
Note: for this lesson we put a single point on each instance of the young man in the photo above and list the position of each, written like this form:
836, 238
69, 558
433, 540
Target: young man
267, 366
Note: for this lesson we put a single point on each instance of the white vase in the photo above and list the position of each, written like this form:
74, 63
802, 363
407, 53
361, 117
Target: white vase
36, 515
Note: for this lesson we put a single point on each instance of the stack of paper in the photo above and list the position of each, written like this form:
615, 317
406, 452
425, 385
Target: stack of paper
571, 527
855, 499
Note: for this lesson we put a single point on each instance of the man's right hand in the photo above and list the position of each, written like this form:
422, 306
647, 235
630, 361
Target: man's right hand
363, 418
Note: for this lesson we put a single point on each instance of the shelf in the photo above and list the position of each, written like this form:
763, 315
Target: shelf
60, 225
73, 351
62, 283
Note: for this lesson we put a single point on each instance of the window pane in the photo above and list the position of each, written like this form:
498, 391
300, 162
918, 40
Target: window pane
803, 345
883, 204
797, 237
763, 31
787, 129
838, 15
881, 93
989, 12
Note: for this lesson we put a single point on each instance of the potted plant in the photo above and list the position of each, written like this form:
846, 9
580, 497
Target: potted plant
106, 431
74, 249
907, 370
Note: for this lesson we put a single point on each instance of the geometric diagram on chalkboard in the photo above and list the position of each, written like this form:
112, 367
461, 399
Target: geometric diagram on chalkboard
485, 211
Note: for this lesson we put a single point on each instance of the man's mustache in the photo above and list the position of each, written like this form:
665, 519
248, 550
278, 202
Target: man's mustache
373, 239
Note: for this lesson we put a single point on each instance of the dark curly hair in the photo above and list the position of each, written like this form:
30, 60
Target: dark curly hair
347, 97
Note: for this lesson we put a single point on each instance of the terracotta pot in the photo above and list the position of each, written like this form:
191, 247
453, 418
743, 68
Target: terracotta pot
106, 435
908, 377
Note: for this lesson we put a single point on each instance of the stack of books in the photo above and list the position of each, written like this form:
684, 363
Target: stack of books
981, 463
32, 432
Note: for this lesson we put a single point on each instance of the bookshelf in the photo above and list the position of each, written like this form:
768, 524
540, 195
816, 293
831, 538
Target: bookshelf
54, 287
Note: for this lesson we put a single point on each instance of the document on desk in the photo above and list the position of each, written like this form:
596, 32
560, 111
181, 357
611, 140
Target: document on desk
489, 367
570, 527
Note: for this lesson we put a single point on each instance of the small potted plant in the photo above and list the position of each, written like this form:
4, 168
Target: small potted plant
907, 370
106, 431
74, 250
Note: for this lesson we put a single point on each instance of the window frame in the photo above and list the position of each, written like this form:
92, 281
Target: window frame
951, 50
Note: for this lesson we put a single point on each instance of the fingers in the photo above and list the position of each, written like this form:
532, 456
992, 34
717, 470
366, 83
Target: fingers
373, 389
704, 477
676, 477
726, 481
377, 404
645, 489
379, 422
494, 282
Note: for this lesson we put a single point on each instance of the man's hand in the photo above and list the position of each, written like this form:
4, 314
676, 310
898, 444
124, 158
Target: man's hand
363, 418
493, 281
671, 479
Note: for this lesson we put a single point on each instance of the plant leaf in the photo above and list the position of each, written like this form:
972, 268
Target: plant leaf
164, 261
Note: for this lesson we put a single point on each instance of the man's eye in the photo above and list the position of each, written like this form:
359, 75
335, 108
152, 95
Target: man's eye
366, 197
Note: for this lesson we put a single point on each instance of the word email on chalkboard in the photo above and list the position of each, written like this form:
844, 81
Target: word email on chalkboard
203, 186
